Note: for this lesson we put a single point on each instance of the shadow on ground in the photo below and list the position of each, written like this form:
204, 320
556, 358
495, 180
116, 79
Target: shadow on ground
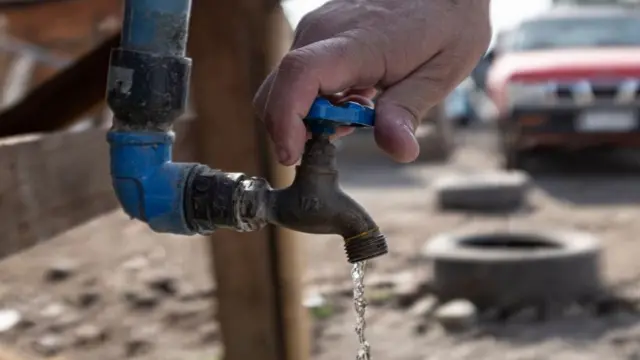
572, 330
362, 164
382, 174
588, 178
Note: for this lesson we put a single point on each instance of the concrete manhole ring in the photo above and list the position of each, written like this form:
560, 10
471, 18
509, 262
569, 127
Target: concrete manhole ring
503, 269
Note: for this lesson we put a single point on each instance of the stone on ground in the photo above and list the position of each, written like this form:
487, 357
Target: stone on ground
457, 315
9, 319
49, 345
90, 335
424, 307
60, 270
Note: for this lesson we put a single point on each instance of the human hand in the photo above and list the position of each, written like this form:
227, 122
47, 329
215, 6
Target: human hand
414, 51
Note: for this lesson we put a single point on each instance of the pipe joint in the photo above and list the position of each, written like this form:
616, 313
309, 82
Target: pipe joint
216, 199
146, 91
148, 185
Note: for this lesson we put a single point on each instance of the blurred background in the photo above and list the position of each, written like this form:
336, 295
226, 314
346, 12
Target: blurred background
511, 237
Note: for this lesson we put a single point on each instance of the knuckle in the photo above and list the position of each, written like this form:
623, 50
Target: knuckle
311, 28
313, 31
296, 62
308, 20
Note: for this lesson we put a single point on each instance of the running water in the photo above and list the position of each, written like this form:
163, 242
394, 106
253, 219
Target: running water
360, 304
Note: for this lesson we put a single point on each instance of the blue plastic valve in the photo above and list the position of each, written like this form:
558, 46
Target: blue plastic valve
324, 117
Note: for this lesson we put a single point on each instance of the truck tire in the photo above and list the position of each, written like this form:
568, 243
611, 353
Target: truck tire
484, 192
512, 157
513, 160
499, 270
360, 147
436, 137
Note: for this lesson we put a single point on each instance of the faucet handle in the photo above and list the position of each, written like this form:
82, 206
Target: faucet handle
324, 116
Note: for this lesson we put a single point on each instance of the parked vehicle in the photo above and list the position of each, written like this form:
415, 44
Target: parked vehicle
570, 79
596, 2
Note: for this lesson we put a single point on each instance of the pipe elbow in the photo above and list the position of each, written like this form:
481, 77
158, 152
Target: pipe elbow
150, 187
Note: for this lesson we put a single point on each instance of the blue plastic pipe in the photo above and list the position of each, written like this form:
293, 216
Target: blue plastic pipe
156, 26
148, 86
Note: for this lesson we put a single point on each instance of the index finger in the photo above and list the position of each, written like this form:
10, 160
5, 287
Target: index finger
324, 67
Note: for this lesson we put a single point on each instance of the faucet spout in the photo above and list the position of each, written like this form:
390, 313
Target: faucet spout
315, 204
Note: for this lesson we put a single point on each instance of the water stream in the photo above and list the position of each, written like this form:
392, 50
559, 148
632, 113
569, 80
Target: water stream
360, 304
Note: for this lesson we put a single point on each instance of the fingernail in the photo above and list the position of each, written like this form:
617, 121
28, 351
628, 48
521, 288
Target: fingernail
283, 155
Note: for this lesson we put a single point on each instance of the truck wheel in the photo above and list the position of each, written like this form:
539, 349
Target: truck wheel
515, 268
513, 159
464, 121
434, 146
500, 191
436, 137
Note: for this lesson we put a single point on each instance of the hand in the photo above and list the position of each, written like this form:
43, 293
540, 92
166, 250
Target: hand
414, 51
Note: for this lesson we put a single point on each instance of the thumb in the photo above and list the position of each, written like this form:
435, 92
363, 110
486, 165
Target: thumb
401, 107
324, 67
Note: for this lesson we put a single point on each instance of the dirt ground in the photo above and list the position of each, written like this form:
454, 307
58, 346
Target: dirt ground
97, 304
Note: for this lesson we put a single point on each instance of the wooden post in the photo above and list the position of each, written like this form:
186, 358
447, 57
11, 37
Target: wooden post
233, 45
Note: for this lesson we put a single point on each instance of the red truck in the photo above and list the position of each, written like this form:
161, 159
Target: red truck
568, 79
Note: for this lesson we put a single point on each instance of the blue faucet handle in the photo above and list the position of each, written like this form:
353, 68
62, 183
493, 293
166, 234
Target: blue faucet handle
324, 116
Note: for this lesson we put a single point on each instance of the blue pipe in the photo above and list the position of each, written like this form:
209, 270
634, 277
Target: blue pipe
148, 184
156, 26
147, 91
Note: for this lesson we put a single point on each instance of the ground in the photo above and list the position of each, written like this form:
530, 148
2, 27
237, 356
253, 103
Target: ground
96, 302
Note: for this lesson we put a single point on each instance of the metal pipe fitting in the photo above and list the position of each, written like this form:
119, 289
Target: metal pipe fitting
149, 74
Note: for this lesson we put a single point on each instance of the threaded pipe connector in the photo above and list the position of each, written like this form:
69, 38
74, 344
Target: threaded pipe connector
366, 246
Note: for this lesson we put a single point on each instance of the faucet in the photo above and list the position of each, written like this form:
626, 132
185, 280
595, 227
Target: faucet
147, 90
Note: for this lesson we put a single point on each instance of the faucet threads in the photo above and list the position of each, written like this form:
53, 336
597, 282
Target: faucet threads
366, 246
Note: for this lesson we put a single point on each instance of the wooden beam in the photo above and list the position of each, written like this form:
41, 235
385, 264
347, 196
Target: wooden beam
66, 97
257, 274
51, 183
17, 80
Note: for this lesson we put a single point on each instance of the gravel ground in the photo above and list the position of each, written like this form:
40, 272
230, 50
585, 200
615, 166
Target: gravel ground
117, 267
599, 195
